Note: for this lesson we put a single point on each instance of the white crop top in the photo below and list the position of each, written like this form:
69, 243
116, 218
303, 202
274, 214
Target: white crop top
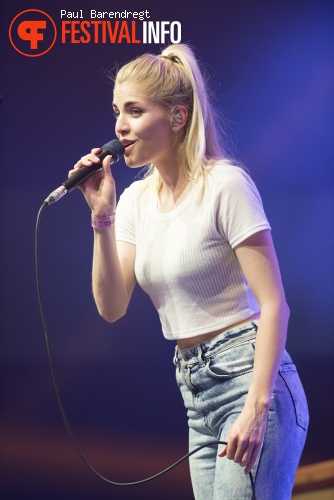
185, 259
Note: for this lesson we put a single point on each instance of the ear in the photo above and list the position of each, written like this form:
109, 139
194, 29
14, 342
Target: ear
179, 115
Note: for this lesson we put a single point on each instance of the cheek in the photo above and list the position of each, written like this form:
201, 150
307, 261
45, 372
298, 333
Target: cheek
158, 128
159, 134
147, 131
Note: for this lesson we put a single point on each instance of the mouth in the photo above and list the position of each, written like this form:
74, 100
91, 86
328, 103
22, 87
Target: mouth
127, 144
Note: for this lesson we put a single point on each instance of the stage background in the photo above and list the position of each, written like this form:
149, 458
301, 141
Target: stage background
273, 74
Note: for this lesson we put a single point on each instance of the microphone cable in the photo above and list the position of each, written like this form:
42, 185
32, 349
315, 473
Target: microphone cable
60, 403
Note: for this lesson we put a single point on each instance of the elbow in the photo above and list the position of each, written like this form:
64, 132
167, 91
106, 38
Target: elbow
277, 307
112, 316
110, 310
283, 311
286, 310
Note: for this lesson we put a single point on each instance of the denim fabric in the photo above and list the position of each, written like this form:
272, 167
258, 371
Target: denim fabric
214, 378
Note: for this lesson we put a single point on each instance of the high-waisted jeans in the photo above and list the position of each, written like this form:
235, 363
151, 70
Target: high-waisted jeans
214, 379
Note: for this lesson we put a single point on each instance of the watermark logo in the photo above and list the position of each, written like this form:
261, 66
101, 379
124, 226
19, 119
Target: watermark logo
32, 33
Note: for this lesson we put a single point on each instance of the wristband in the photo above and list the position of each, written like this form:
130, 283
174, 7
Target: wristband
103, 222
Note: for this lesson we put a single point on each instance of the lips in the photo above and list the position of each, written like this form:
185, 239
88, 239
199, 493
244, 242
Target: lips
126, 144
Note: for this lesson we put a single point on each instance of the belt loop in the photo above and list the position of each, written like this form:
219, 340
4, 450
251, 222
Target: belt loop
255, 326
175, 359
201, 353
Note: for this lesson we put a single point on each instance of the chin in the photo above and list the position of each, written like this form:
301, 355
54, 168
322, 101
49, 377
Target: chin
132, 163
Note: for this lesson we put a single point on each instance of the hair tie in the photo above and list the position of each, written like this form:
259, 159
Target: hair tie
174, 59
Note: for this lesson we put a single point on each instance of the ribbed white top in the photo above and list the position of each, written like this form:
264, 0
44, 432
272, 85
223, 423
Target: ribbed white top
185, 259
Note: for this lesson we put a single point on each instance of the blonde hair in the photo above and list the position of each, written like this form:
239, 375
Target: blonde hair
174, 78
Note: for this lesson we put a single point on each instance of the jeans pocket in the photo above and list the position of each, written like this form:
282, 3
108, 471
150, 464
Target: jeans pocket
291, 378
232, 362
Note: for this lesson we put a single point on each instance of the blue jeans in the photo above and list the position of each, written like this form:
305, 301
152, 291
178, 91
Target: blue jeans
214, 378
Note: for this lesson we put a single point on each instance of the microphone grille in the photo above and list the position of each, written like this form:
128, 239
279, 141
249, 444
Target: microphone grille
115, 148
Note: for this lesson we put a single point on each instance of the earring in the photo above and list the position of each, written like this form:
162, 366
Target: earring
177, 119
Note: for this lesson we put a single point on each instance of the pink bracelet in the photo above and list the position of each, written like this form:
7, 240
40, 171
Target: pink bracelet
103, 222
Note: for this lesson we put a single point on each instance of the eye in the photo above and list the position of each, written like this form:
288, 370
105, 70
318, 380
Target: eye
136, 112
116, 114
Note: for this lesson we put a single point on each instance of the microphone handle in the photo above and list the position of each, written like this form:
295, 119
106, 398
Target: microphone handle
114, 148
85, 172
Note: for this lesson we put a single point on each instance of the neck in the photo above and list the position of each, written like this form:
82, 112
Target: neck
175, 187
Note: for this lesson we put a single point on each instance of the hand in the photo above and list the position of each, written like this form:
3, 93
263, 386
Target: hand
99, 189
245, 437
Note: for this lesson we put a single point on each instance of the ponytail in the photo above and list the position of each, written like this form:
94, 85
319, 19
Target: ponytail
174, 78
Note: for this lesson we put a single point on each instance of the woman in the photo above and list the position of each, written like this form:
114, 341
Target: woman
193, 233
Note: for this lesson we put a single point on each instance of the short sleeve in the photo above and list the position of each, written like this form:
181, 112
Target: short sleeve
240, 210
125, 217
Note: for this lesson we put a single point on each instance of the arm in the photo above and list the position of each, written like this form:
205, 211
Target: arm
113, 277
258, 261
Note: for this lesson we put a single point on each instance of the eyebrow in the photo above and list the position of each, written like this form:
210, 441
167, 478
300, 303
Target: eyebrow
127, 104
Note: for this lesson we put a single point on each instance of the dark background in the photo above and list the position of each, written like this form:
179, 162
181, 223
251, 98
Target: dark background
272, 64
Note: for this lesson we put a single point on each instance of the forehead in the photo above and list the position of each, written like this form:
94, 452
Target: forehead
124, 92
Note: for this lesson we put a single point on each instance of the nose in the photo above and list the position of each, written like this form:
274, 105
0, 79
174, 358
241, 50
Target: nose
122, 125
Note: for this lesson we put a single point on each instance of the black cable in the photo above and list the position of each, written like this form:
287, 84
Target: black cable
60, 403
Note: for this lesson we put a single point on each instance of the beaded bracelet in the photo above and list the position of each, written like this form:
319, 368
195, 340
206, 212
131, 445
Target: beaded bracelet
103, 222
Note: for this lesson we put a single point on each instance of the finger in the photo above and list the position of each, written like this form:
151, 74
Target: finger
87, 160
244, 461
84, 161
248, 468
107, 162
241, 451
106, 167
252, 459
71, 172
95, 151
231, 448
222, 452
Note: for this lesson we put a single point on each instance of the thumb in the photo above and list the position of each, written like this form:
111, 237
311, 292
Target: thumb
223, 451
106, 169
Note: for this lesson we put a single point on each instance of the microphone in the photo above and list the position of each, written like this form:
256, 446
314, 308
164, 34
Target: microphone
114, 148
